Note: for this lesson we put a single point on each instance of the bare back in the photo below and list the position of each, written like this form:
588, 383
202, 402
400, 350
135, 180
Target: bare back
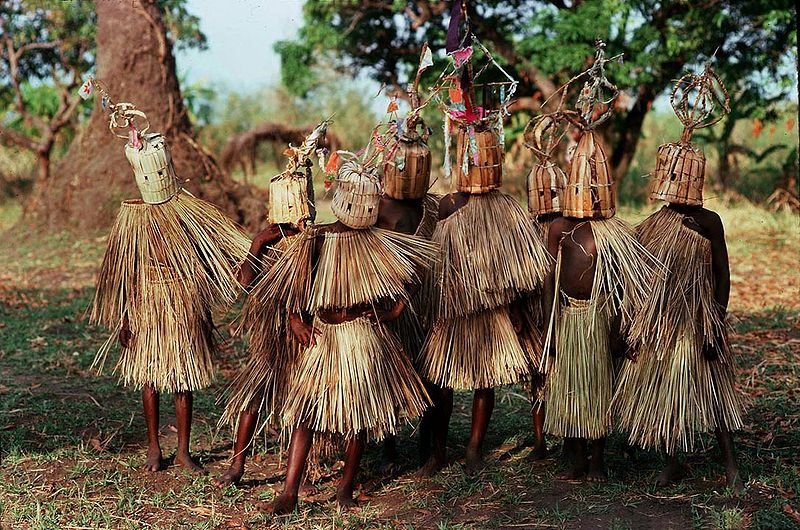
575, 240
400, 215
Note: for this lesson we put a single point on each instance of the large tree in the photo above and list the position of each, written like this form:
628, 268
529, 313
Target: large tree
131, 48
544, 43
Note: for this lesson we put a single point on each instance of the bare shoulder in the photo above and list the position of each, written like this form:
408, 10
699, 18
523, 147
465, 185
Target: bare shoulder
447, 206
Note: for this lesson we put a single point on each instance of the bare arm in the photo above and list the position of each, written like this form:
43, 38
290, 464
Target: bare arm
265, 239
549, 288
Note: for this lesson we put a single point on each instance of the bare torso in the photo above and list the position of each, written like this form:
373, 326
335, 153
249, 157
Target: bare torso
574, 238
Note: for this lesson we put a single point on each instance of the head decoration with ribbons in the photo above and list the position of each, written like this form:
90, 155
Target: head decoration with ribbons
474, 93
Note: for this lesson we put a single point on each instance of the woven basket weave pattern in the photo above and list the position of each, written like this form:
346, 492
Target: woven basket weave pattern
153, 169
678, 178
590, 187
411, 181
487, 173
357, 196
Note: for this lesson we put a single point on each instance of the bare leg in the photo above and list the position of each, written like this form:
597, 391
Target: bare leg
389, 457
183, 414
299, 447
597, 466
440, 423
576, 447
344, 492
150, 400
671, 473
725, 441
539, 451
426, 428
482, 407
244, 437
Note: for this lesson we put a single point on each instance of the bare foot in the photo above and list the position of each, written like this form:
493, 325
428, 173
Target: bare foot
307, 489
154, 461
473, 460
431, 467
671, 474
538, 453
735, 482
577, 471
284, 504
344, 498
597, 475
186, 462
232, 476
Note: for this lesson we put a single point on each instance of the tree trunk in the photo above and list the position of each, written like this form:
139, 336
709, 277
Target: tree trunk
625, 145
135, 62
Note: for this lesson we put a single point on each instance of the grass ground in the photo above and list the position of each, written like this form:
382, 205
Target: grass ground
71, 442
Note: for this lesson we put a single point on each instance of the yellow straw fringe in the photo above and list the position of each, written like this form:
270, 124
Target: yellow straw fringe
490, 255
355, 378
672, 391
430, 216
663, 403
579, 383
380, 265
167, 268
684, 302
477, 351
625, 274
261, 384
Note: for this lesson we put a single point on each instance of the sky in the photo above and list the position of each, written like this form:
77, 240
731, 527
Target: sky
240, 35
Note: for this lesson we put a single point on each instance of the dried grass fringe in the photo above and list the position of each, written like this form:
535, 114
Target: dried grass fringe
663, 403
355, 378
365, 266
682, 302
624, 275
430, 216
167, 267
261, 384
490, 255
481, 350
672, 391
580, 377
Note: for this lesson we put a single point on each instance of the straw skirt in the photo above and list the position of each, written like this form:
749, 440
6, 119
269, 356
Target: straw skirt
261, 384
355, 378
481, 350
167, 268
672, 391
580, 376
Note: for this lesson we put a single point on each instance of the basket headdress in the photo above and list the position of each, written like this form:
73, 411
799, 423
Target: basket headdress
699, 101
590, 186
291, 193
474, 93
546, 179
147, 153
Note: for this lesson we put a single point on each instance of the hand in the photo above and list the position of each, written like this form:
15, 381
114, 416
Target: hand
631, 354
125, 336
516, 321
382, 315
692, 224
247, 273
303, 331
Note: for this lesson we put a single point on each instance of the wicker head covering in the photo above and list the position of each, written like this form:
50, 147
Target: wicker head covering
357, 195
680, 167
291, 193
408, 174
590, 186
546, 180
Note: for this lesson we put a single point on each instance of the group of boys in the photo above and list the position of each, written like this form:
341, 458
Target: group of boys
361, 325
